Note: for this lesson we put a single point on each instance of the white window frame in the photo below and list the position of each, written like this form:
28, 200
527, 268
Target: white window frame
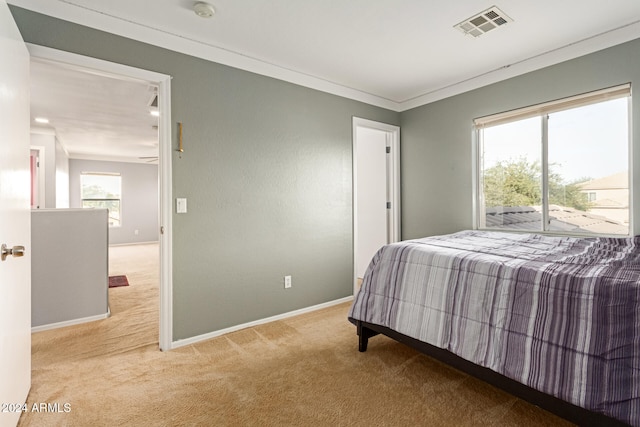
544, 110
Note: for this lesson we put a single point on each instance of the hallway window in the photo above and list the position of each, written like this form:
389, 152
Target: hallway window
102, 190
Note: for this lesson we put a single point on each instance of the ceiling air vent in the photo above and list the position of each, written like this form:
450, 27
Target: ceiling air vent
483, 22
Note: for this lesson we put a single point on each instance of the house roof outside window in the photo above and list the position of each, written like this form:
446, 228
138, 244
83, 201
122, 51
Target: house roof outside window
562, 218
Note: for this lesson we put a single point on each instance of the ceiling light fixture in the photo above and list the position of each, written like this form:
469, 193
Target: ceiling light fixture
41, 120
203, 10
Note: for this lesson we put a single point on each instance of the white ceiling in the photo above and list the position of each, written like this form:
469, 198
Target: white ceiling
94, 116
396, 54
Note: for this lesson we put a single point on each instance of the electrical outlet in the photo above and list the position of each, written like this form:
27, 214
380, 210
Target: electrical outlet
287, 282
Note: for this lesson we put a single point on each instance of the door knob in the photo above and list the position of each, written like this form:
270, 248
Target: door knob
16, 251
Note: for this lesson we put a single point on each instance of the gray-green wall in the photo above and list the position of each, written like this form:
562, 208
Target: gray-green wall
437, 138
267, 172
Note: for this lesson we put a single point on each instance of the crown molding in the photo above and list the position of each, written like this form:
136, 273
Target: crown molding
564, 53
73, 13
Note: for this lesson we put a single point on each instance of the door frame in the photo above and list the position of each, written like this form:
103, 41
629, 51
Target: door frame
163, 82
42, 153
393, 184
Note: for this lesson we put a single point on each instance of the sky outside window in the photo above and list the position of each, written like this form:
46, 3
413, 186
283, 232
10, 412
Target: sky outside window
589, 142
577, 137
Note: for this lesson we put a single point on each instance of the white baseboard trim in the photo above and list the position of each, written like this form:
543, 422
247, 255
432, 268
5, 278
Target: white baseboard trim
70, 322
207, 336
133, 243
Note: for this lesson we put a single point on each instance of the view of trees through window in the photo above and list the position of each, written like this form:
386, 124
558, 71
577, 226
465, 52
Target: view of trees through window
577, 158
102, 191
519, 183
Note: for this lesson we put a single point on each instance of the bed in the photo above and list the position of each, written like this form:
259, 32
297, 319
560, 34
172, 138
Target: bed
554, 320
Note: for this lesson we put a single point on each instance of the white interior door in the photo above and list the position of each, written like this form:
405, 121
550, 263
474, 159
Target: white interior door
372, 195
376, 190
15, 220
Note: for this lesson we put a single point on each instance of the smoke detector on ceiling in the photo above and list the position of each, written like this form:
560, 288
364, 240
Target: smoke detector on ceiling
203, 10
483, 22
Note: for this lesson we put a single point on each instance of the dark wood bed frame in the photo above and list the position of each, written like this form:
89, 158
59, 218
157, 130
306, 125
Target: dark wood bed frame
568, 411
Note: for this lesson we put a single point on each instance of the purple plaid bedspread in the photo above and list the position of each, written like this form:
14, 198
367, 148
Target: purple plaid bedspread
559, 314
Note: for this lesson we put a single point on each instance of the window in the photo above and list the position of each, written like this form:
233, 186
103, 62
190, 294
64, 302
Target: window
559, 167
102, 190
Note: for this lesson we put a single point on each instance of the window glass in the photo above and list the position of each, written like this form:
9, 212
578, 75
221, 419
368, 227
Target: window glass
511, 174
102, 191
588, 168
558, 171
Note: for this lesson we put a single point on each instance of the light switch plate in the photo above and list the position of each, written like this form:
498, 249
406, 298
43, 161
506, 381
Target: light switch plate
181, 205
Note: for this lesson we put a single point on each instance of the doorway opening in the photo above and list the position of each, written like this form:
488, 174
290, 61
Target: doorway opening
36, 166
162, 84
376, 191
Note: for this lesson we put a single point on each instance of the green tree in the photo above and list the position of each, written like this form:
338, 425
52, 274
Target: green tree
96, 192
519, 183
513, 183
567, 194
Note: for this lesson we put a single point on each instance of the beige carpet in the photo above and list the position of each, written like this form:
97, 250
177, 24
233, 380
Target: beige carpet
302, 371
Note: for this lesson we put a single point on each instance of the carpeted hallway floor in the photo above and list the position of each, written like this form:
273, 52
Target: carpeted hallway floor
302, 371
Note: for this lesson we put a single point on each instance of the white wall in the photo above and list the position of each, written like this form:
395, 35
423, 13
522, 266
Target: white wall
69, 267
139, 204
62, 176
56, 169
